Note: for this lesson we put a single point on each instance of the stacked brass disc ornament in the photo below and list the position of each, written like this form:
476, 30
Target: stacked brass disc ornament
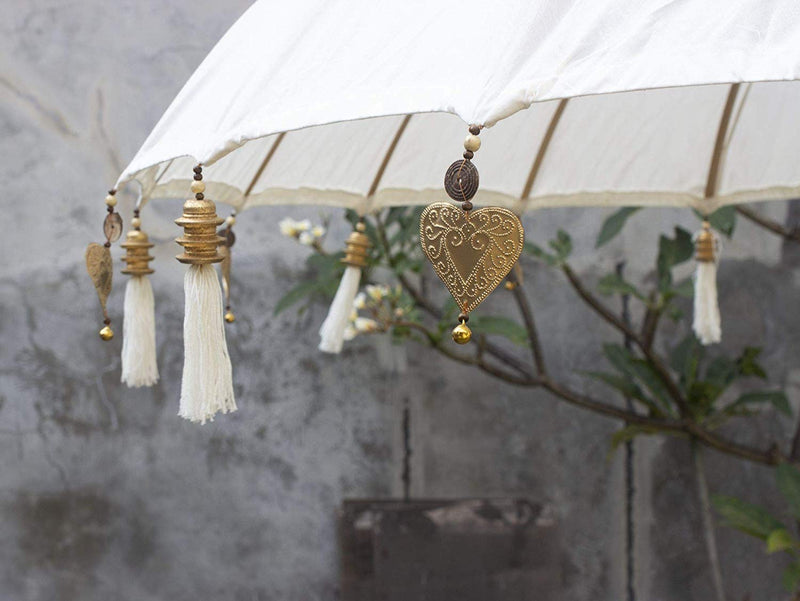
472, 251
357, 247
199, 222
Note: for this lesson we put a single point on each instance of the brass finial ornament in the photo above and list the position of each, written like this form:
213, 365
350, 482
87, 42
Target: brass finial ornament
472, 251
137, 252
199, 222
357, 247
705, 245
99, 264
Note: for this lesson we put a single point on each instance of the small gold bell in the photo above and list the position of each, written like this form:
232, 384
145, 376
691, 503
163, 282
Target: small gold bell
106, 333
230, 317
462, 334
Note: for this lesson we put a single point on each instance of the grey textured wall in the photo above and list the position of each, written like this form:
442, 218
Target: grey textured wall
106, 494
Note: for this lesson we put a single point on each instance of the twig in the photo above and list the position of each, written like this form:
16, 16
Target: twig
526, 311
793, 235
661, 369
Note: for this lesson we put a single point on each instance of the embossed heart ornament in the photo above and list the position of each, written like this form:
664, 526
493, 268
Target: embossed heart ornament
471, 252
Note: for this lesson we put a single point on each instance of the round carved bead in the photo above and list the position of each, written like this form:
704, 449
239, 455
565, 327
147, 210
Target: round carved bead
136, 223
468, 154
472, 142
198, 186
461, 181
475, 129
111, 200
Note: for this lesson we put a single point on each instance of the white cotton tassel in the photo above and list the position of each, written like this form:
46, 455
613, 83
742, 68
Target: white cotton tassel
706, 324
332, 330
207, 385
139, 366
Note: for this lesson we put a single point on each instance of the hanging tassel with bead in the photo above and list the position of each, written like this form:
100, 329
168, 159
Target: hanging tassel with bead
207, 384
355, 259
99, 264
139, 366
706, 323
228, 240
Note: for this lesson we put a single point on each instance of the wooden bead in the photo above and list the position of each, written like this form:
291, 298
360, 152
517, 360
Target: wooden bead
468, 154
475, 129
472, 143
136, 223
198, 187
111, 200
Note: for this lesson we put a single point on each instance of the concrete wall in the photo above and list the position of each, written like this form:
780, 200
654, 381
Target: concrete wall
106, 494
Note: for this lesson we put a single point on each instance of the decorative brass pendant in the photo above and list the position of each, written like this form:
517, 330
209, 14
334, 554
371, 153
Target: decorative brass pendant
471, 251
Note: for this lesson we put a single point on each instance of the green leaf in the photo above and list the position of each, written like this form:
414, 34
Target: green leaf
613, 283
500, 326
538, 252
779, 540
748, 363
684, 288
746, 517
685, 358
791, 577
641, 370
626, 386
613, 225
788, 477
721, 373
672, 252
777, 398
724, 220
295, 295
562, 245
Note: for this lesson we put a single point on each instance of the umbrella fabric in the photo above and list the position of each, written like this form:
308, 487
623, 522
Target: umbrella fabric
340, 76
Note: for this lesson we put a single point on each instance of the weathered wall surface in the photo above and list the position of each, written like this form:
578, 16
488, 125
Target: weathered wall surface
105, 493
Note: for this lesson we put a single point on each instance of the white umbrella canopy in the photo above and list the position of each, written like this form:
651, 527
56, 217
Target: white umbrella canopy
363, 105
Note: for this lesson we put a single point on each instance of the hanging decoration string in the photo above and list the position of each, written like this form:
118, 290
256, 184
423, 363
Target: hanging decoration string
139, 367
706, 323
207, 384
99, 264
355, 258
228, 240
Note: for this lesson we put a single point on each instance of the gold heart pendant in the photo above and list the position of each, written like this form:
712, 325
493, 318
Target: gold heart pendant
472, 252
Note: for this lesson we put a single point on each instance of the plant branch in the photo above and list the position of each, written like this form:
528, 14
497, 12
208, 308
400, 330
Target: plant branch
526, 311
793, 235
684, 427
604, 312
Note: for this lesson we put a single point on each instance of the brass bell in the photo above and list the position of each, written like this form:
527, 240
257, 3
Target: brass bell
462, 334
